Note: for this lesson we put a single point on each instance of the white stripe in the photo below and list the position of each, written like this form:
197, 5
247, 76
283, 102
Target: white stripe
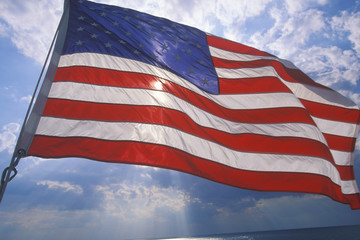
343, 129
224, 54
304, 91
233, 56
199, 147
342, 158
234, 73
131, 96
235, 101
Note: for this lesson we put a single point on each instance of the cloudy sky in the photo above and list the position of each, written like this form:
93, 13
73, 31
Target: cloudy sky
83, 199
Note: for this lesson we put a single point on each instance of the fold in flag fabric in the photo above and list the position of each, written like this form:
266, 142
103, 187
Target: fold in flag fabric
127, 87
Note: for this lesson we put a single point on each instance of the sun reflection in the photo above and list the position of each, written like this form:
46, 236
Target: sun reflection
158, 85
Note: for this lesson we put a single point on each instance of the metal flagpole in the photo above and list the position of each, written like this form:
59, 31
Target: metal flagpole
10, 172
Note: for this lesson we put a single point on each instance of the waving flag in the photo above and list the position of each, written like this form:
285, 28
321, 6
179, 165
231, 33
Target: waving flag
128, 87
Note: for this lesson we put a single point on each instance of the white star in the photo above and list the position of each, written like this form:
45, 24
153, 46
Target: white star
93, 35
103, 14
94, 24
122, 42
79, 43
116, 23
81, 18
107, 32
80, 29
108, 45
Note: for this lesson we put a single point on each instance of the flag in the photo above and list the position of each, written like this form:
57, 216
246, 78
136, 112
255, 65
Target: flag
127, 87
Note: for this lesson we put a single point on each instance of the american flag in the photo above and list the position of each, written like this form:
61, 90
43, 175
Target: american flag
134, 88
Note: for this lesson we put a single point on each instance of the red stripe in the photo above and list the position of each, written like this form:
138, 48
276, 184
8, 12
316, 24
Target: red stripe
179, 120
346, 172
345, 144
158, 156
251, 85
234, 46
136, 80
332, 112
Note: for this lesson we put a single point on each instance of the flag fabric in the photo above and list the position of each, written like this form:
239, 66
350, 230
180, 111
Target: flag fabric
134, 88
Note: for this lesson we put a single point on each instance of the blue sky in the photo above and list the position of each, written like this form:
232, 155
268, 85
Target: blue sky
83, 199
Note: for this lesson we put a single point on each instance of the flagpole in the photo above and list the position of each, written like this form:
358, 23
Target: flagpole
10, 172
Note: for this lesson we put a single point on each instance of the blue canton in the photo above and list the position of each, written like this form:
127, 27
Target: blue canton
126, 33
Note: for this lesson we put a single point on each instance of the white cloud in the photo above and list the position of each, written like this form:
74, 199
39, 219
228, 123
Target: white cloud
289, 33
3, 30
63, 186
232, 15
349, 23
133, 202
330, 65
146, 175
230, 12
284, 201
26, 98
31, 24
8, 136
298, 6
